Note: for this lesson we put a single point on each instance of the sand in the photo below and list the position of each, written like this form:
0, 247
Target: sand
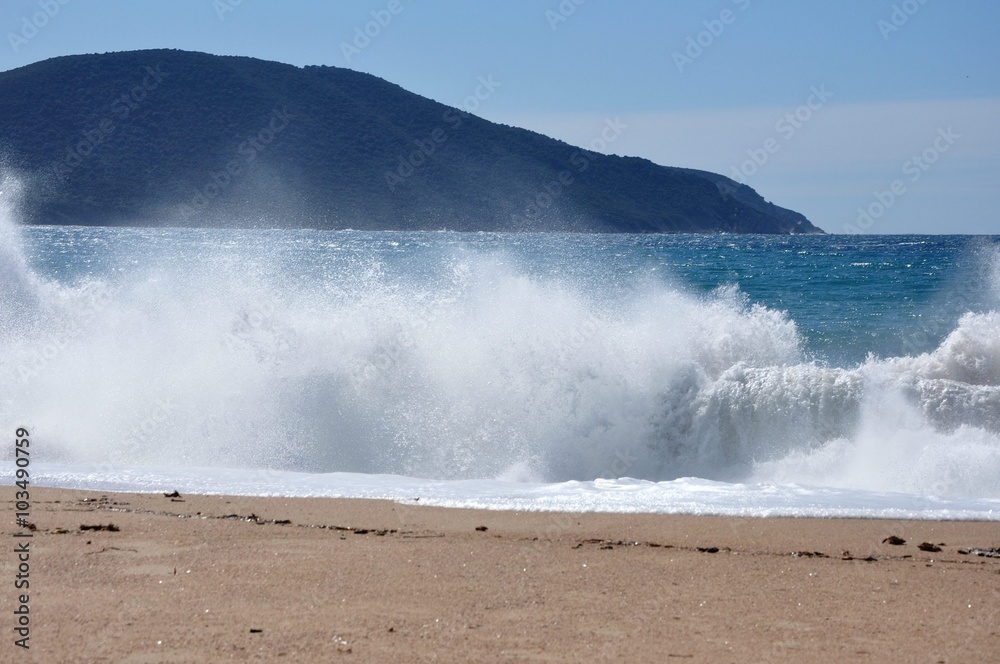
210, 578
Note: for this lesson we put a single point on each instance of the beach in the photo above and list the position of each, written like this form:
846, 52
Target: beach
119, 577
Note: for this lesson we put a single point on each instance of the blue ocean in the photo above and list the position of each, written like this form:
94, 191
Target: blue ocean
707, 374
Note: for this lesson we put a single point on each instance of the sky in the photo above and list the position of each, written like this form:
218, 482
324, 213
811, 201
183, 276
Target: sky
874, 116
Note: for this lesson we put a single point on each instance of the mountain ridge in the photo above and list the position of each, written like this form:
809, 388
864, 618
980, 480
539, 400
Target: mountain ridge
168, 136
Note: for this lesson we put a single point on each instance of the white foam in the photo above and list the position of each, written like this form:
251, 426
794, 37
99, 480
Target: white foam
624, 495
462, 364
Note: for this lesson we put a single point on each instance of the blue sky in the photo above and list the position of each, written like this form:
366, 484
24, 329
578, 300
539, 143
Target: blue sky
877, 116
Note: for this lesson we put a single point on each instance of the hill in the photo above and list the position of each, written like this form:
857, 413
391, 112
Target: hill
174, 137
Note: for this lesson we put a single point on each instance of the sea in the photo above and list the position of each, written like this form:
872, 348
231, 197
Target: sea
749, 375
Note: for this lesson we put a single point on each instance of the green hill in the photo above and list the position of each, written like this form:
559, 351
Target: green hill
180, 138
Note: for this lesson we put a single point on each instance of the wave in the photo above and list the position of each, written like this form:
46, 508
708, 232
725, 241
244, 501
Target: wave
19, 293
477, 369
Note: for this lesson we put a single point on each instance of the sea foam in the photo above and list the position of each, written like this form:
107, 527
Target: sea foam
429, 356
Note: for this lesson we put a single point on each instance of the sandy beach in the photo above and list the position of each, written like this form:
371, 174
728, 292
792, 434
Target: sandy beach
118, 577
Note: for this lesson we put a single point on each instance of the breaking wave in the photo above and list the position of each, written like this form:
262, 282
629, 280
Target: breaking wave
461, 364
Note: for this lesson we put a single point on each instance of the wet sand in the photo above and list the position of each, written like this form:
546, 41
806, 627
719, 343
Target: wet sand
209, 578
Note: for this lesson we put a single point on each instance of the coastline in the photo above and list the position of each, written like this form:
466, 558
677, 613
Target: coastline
193, 578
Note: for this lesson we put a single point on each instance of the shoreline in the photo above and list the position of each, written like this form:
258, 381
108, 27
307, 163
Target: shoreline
685, 496
212, 578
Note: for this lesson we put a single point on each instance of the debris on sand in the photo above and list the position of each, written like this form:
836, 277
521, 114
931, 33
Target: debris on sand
110, 527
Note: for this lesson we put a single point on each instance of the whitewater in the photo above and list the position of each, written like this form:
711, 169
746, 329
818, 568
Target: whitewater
755, 376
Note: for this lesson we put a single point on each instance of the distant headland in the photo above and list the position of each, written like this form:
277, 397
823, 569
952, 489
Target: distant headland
181, 138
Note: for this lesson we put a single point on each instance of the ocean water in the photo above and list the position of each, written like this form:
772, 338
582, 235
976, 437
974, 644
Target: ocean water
753, 375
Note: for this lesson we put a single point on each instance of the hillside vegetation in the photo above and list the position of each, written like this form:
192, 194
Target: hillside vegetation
181, 138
